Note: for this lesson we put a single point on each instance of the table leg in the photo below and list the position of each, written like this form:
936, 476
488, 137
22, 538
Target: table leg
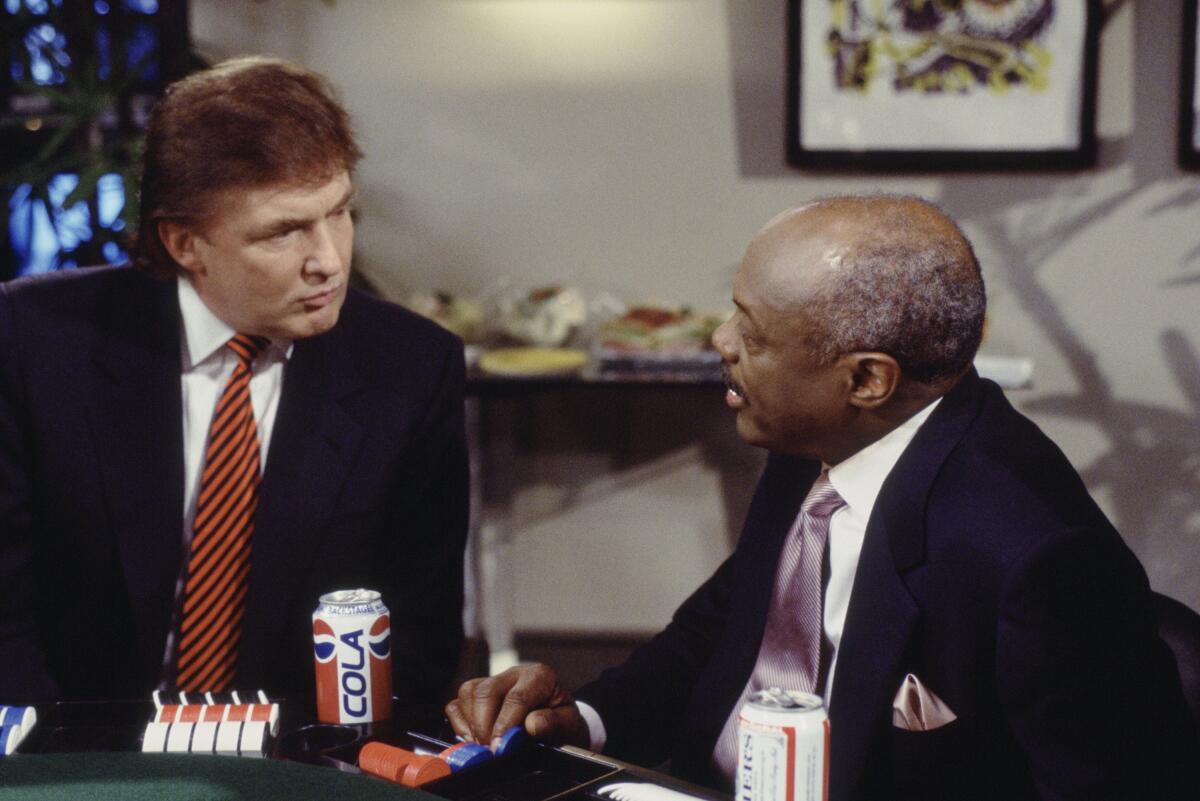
490, 568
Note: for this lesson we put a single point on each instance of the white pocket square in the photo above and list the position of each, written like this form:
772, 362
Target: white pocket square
917, 708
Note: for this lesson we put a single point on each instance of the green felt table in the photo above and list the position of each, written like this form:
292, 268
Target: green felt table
171, 777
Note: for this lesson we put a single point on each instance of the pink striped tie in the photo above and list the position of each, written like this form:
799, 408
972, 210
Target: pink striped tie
790, 654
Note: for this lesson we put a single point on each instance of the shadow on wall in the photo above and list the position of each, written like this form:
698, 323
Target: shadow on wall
758, 55
1151, 465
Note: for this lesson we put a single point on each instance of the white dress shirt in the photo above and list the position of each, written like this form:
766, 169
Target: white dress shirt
206, 367
858, 480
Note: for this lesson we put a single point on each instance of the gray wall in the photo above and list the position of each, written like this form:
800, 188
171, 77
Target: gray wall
634, 146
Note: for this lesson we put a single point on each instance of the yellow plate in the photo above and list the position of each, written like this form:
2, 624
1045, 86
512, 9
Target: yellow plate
532, 361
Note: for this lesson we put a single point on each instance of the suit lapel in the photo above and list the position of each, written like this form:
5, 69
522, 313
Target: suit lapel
882, 611
312, 447
136, 418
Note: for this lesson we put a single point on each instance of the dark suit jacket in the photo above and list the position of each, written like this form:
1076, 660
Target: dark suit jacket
988, 572
365, 485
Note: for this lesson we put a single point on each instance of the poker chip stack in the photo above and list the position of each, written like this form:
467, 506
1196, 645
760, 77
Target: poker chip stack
401, 766
226, 727
15, 724
413, 769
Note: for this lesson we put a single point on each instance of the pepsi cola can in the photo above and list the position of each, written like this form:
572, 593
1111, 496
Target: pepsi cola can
352, 649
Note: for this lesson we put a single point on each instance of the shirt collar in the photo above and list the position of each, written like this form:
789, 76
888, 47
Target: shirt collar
204, 333
859, 478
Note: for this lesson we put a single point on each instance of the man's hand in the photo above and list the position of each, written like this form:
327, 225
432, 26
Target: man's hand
528, 695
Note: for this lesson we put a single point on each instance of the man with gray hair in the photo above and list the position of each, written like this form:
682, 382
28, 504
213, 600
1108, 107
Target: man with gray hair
917, 552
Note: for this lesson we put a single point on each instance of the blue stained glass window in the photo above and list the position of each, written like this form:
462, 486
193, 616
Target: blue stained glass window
110, 199
32, 233
142, 48
103, 53
47, 49
40, 230
38, 7
42, 235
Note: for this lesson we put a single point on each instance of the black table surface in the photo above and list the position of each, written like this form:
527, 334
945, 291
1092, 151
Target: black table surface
91, 751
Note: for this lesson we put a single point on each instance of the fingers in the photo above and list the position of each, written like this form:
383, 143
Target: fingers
536, 687
486, 707
473, 712
559, 725
459, 722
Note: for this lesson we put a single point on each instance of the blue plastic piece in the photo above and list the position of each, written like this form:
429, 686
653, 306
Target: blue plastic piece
512, 741
17, 716
466, 755
10, 737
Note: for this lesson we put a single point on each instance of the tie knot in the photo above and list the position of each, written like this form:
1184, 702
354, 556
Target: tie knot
822, 500
246, 347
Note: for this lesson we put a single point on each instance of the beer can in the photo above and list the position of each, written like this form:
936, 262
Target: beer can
352, 651
783, 747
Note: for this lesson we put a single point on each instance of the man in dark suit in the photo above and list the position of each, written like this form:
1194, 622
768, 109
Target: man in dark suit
984, 634
349, 457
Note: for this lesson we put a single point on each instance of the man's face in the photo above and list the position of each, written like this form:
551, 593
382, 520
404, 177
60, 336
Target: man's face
785, 399
275, 260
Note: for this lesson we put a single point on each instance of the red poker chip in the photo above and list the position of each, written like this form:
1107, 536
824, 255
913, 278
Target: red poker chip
400, 766
425, 770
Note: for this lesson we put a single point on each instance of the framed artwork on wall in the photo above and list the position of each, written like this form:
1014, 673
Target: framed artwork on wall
1189, 95
923, 85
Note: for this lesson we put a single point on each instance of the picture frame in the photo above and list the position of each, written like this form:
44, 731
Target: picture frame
1189, 91
987, 86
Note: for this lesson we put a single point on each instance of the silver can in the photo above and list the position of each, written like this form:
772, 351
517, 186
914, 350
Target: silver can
352, 654
783, 747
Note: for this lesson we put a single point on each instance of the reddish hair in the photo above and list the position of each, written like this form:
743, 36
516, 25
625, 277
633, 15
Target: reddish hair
247, 122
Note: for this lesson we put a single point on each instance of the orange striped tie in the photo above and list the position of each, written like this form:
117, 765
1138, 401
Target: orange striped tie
215, 595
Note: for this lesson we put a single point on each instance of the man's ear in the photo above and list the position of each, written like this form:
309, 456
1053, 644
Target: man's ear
179, 239
875, 377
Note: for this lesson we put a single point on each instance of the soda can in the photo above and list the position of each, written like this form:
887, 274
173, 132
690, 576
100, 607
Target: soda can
783, 747
352, 650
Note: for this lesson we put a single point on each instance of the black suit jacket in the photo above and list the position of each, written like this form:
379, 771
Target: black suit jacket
988, 572
365, 485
